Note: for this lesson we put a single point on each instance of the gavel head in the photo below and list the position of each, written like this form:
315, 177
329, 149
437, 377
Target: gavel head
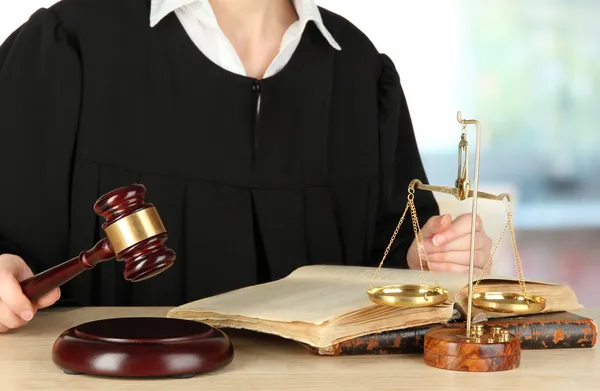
135, 231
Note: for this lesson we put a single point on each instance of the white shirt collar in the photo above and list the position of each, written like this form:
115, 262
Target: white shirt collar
307, 11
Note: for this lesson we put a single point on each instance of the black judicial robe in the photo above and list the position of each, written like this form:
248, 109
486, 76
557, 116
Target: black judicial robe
92, 98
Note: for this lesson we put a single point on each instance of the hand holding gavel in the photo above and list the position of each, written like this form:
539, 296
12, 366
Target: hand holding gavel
135, 235
15, 308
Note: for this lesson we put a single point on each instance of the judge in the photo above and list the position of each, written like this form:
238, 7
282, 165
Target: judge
270, 134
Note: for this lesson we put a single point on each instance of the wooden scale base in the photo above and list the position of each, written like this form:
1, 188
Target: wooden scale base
486, 350
142, 347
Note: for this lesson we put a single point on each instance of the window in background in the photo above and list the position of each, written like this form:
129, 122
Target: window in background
528, 70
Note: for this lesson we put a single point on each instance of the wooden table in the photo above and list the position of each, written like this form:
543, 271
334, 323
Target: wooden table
268, 363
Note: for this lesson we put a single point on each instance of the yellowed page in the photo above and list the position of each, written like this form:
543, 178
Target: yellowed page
385, 276
313, 294
295, 299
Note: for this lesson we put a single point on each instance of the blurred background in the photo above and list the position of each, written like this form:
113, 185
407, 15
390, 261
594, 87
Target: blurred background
529, 71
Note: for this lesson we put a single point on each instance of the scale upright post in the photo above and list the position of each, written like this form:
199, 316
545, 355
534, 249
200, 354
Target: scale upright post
473, 215
474, 348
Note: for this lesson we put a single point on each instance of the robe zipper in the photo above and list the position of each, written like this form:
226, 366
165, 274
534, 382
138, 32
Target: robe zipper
258, 92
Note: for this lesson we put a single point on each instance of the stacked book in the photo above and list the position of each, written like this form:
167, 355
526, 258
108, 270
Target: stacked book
326, 309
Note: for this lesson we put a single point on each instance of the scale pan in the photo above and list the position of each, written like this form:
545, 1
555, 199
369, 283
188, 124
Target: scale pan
514, 303
408, 295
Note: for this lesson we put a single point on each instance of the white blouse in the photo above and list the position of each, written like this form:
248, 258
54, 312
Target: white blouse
199, 21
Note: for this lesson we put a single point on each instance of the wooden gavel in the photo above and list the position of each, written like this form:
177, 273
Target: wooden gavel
135, 234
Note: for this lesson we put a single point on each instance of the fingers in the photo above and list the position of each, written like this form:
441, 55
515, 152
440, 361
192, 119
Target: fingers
460, 258
15, 308
448, 244
462, 243
12, 296
460, 226
453, 268
48, 299
9, 319
436, 224
11, 314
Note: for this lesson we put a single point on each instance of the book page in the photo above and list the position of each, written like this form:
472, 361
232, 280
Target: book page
313, 294
288, 300
453, 282
385, 275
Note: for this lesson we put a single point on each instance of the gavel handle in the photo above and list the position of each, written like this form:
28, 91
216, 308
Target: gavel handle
42, 283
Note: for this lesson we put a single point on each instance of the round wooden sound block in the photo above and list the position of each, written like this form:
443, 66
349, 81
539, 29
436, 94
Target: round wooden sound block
142, 347
486, 350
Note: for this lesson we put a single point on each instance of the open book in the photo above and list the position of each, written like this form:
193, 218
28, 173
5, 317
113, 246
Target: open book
321, 305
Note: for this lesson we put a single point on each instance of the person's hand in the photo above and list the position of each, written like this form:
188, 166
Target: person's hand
15, 308
448, 245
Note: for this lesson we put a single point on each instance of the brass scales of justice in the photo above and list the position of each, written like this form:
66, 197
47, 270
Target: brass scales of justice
473, 348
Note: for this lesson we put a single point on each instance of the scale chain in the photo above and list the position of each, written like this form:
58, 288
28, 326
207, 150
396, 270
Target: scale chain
422, 251
418, 236
508, 226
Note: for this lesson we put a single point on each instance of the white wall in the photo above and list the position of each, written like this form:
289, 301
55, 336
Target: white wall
15, 12
422, 38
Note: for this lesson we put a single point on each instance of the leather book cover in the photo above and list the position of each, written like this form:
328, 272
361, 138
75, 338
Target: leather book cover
560, 330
